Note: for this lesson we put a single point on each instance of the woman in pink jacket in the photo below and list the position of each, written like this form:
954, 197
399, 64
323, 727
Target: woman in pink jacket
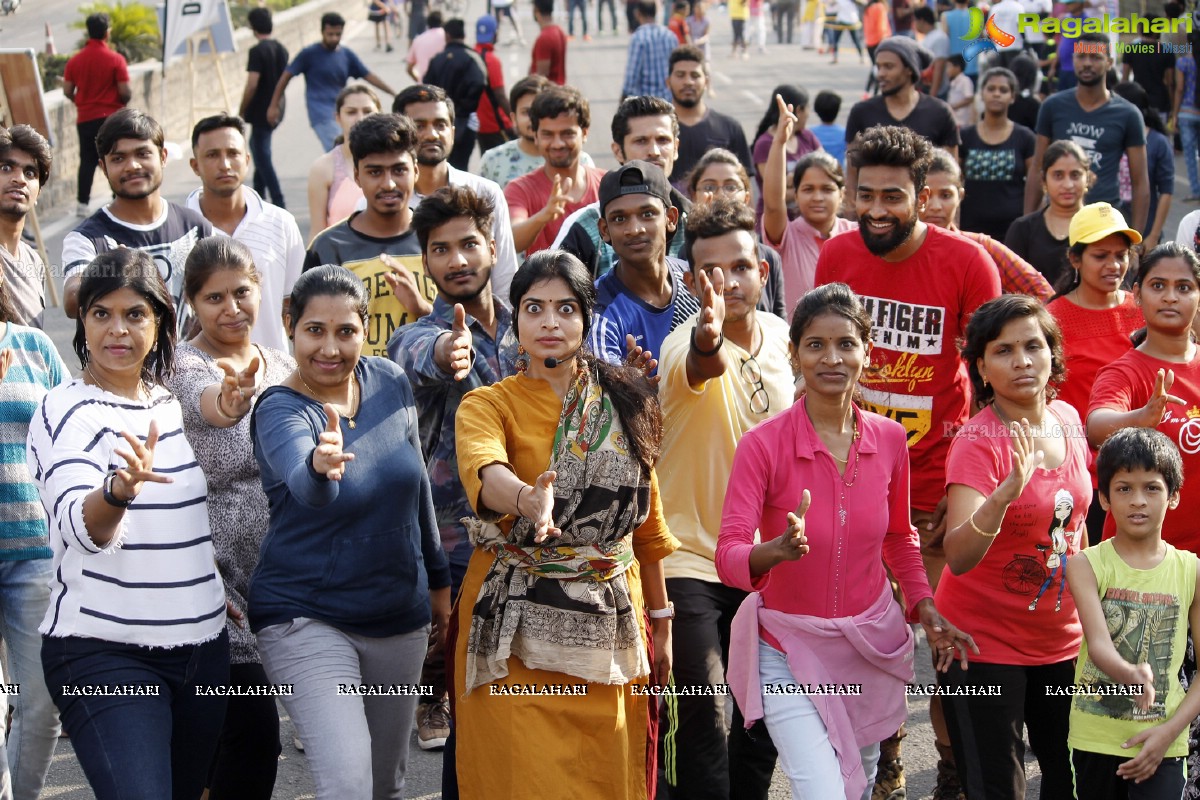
826, 483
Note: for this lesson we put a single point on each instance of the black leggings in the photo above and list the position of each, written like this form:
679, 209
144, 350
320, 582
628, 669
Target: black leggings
248, 752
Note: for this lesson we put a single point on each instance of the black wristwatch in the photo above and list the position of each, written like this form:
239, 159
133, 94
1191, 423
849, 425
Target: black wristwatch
111, 498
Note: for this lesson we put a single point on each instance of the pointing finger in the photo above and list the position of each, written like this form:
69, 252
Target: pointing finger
460, 317
332, 418
805, 502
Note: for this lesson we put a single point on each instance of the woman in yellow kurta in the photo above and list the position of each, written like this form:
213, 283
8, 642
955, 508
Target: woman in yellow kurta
553, 654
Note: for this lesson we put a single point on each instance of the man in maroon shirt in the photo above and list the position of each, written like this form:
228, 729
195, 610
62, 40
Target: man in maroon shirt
97, 82
550, 48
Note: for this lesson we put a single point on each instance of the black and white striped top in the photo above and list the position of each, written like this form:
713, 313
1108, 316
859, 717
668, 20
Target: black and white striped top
156, 583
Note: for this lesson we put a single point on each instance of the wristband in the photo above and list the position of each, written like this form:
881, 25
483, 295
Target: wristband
707, 353
662, 613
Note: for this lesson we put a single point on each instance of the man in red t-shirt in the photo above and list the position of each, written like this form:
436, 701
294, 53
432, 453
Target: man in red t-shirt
550, 48
97, 82
495, 119
539, 202
921, 284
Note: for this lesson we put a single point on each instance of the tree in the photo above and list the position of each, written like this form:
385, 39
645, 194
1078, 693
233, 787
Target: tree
133, 29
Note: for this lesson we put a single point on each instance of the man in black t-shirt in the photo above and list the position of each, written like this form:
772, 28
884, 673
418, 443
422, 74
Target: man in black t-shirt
265, 64
899, 62
461, 72
700, 128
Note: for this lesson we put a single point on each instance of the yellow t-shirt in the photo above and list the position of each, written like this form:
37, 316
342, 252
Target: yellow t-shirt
701, 428
1147, 615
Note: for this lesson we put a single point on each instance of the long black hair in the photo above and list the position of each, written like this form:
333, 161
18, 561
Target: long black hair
633, 396
793, 95
127, 268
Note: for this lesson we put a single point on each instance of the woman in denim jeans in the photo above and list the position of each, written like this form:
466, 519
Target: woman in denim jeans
135, 631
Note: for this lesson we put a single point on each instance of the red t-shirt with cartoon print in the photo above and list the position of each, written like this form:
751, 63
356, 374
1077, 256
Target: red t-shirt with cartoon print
1125, 385
1016, 602
919, 309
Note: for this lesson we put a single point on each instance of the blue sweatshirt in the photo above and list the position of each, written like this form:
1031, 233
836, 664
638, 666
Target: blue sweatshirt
361, 553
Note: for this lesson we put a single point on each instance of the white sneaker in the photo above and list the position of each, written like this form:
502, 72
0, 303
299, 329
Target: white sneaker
82, 210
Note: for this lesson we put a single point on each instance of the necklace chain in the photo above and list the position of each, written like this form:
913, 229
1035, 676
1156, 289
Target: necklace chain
108, 387
354, 398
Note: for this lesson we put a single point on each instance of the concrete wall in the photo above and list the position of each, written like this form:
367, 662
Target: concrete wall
166, 97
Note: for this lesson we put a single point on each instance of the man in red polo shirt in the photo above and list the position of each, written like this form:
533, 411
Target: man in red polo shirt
97, 82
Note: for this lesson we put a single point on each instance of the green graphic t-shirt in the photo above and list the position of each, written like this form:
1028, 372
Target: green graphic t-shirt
1147, 615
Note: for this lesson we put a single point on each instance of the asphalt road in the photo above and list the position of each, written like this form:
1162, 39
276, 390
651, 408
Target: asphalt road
26, 28
742, 88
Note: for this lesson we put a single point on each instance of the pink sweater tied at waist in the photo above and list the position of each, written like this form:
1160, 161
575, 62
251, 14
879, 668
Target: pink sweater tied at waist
873, 650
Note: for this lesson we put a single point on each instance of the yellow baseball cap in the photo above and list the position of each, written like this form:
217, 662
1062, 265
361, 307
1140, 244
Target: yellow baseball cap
1093, 222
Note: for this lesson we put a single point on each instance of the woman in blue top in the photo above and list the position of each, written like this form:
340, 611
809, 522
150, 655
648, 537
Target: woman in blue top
352, 560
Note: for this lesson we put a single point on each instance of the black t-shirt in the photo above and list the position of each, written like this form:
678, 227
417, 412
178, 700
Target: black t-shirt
269, 59
1029, 238
715, 130
1149, 70
1024, 111
931, 118
995, 180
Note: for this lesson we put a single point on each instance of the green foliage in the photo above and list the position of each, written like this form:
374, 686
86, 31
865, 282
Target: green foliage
239, 8
133, 29
52, 68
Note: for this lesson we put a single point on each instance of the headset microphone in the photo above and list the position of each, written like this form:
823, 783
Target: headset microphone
552, 362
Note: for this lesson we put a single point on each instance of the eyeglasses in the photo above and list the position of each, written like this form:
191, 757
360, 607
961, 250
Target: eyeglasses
724, 188
760, 401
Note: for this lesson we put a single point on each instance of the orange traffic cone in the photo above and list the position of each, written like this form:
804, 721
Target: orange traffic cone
50, 49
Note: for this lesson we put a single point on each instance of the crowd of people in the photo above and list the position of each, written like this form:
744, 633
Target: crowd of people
542, 461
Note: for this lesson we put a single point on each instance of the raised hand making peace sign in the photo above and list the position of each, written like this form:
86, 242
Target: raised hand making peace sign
237, 388
328, 458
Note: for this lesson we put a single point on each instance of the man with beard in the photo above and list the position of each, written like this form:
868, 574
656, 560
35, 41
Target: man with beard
433, 116
326, 66
132, 155
921, 284
645, 296
1104, 124
378, 244
721, 376
456, 348
700, 128
27, 156
520, 156
221, 161
899, 62
539, 201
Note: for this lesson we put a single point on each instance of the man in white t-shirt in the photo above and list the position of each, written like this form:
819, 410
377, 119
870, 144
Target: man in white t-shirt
1007, 13
221, 160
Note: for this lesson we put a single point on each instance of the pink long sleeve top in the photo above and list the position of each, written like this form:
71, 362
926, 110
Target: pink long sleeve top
842, 575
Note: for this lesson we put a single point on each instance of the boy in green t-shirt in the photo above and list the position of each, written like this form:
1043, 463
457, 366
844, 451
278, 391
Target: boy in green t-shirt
1131, 592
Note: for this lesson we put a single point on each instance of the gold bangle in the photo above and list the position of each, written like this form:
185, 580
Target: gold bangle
981, 532
220, 413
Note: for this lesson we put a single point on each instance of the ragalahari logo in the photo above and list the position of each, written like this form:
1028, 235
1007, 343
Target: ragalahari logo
996, 38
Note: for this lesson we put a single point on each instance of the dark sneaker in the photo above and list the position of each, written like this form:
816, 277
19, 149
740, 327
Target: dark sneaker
948, 787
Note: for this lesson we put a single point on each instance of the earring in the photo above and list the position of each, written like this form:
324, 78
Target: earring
984, 379
522, 359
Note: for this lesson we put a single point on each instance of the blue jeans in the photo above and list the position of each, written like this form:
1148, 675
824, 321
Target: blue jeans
357, 746
1189, 137
140, 747
327, 130
266, 182
572, 7
24, 595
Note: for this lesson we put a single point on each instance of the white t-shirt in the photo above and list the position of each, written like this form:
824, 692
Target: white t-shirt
1006, 13
1033, 35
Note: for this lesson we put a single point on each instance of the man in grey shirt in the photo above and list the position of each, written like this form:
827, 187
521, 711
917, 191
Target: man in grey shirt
25, 157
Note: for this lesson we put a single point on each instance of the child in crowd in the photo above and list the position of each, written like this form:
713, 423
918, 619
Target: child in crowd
962, 91
831, 135
1132, 592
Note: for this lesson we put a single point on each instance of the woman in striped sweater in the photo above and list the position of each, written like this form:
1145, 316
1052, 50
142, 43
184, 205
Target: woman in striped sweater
134, 637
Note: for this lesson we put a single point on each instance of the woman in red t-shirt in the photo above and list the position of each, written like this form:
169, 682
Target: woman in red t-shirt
1096, 317
1157, 384
1017, 494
